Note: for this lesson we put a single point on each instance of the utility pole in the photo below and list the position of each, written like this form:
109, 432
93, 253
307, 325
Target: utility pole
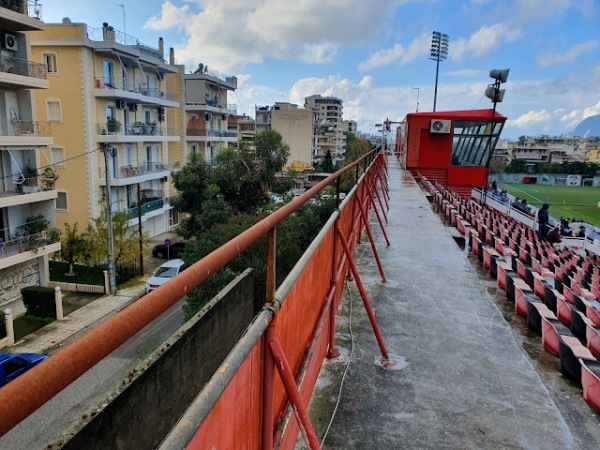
417, 98
139, 208
112, 279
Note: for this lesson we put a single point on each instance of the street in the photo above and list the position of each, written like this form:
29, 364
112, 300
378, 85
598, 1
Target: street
86, 394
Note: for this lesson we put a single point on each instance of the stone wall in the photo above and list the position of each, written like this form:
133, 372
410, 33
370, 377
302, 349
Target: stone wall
144, 410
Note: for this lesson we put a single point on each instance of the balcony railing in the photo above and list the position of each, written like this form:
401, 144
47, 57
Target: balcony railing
32, 8
210, 133
20, 184
135, 130
136, 87
10, 64
109, 34
21, 243
24, 128
149, 206
129, 171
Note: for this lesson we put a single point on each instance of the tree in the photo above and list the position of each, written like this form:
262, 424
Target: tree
74, 246
272, 154
126, 240
327, 163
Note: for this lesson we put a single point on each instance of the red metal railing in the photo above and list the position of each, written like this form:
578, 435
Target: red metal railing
291, 335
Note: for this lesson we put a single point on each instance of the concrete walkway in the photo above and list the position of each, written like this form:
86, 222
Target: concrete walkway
55, 335
461, 378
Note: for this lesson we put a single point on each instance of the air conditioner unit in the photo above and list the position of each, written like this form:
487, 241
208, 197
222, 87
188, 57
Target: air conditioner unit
121, 104
161, 114
10, 42
133, 106
440, 126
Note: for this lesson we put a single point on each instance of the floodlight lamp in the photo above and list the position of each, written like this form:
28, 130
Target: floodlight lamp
499, 75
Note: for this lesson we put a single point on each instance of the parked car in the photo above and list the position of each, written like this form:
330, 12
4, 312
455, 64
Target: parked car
163, 251
164, 273
14, 364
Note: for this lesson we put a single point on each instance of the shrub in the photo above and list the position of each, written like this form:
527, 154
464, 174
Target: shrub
39, 301
2, 325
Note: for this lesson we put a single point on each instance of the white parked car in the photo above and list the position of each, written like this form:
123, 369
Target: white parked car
164, 273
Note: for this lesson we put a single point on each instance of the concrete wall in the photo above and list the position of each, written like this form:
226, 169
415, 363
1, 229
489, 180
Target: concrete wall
146, 408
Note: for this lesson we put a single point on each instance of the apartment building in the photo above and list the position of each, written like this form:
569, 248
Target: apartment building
350, 126
207, 112
27, 194
328, 130
108, 103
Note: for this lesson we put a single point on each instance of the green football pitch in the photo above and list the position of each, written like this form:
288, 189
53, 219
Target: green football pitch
572, 202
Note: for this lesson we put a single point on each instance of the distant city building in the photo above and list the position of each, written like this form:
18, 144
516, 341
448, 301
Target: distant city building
207, 112
27, 151
350, 126
328, 128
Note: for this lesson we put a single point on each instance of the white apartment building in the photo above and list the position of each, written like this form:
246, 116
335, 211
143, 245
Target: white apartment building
207, 112
27, 190
329, 131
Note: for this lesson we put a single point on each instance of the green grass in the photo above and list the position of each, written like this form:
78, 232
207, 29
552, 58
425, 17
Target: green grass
567, 201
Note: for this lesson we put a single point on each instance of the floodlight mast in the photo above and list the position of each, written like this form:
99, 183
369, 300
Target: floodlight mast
439, 52
496, 95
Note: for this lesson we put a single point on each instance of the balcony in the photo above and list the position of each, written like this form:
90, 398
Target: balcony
17, 73
149, 204
128, 174
20, 15
22, 248
116, 132
24, 128
210, 133
129, 89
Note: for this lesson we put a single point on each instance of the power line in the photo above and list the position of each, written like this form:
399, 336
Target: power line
56, 163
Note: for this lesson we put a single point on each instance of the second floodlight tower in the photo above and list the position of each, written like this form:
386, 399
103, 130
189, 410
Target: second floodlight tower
439, 52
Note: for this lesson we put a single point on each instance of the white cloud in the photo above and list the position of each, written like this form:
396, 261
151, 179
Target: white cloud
531, 118
466, 73
551, 59
171, 17
231, 34
483, 41
418, 48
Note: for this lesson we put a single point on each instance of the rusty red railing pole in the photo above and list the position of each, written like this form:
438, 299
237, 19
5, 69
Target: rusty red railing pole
268, 362
336, 261
285, 372
372, 242
363, 294
371, 202
380, 202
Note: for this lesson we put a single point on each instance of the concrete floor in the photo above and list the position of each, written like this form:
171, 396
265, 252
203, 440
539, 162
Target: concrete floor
466, 373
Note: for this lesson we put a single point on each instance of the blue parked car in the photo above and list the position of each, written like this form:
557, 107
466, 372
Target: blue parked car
13, 365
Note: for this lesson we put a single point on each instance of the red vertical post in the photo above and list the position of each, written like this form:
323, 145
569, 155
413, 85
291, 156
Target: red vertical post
268, 369
372, 241
371, 200
285, 372
363, 295
336, 260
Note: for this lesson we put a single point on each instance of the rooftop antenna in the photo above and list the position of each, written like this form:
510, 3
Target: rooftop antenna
124, 26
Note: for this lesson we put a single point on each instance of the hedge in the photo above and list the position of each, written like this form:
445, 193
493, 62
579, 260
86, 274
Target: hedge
39, 301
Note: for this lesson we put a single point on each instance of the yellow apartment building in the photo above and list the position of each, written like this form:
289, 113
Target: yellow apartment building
108, 104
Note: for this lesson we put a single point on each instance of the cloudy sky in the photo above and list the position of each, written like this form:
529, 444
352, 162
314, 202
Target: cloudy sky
374, 54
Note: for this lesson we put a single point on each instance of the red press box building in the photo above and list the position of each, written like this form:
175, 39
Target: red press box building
451, 147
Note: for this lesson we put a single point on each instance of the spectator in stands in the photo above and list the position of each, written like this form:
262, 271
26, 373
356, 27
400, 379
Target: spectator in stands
517, 203
553, 236
581, 232
543, 218
494, 186
525, 207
